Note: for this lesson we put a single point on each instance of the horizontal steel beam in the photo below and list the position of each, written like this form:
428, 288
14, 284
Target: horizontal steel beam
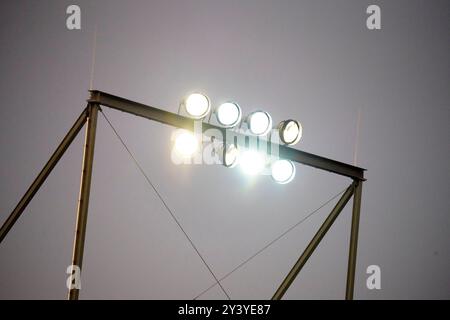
179, 121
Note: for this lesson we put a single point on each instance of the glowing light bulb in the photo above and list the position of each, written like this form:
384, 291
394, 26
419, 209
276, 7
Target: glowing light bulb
228, 114
283, 171
290, 131
186, 144
259, 123
197, 105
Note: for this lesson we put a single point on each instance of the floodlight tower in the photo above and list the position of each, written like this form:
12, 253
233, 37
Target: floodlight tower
229, 115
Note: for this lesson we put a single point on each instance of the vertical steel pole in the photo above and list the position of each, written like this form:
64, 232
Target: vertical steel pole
85, 186
42, 176
353, 242
314, 243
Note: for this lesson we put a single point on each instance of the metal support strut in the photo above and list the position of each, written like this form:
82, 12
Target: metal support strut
353, 242
42, 176
85, 186
314, 243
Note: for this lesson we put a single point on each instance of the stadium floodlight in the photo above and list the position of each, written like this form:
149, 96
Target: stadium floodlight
197, 105
259, 123
290, 131
186, 144
229, 114
283, 171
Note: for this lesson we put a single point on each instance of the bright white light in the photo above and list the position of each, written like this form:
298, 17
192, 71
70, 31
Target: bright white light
252, 162
186, 144
283, 171
290, 131
197, 105
260, 123
228, 114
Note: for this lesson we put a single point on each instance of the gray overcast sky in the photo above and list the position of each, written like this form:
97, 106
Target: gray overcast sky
314, 61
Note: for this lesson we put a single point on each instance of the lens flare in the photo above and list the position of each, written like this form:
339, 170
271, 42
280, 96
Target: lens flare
252, 162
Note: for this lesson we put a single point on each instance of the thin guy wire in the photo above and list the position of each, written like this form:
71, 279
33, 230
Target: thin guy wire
270, 243
164, 202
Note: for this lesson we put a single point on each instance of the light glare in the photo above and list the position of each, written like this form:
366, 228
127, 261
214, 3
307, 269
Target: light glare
186, 144
252, 162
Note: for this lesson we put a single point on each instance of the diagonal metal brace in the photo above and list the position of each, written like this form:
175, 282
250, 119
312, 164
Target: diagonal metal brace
42, 176
314, 242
